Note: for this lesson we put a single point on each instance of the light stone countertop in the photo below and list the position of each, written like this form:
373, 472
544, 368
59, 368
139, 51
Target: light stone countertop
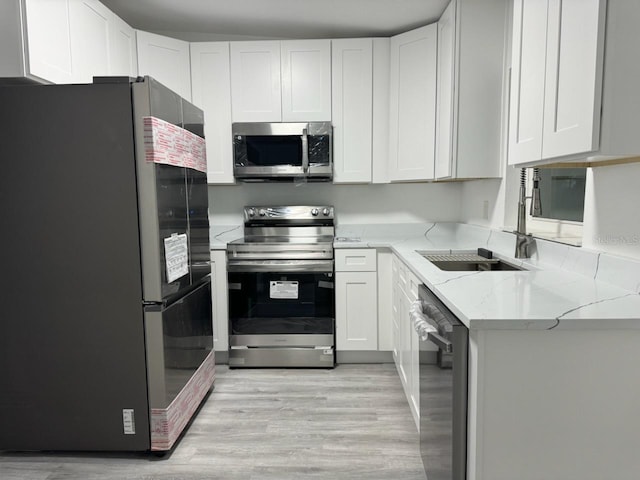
564, 287
220, 235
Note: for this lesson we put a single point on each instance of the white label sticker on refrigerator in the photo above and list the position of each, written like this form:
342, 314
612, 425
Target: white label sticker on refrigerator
283, 289
176, 253
128, 421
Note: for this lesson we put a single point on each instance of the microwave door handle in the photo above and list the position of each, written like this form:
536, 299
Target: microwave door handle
305, 150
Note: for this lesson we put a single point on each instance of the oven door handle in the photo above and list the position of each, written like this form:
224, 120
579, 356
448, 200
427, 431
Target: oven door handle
280, 266
305, 150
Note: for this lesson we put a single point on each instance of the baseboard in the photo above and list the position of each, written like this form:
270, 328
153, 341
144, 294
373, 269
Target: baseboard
363, 356
222, 357
345, 356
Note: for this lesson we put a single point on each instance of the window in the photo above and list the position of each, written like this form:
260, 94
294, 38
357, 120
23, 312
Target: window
562, 204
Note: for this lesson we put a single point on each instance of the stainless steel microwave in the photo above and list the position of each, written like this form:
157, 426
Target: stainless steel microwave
282, 151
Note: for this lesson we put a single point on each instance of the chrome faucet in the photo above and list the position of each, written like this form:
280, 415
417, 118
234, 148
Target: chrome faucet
525, 243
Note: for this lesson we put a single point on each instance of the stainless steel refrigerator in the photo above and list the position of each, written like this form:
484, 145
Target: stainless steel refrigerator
106, 338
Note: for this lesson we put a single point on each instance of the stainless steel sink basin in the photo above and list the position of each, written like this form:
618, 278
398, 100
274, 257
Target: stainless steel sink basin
468, 261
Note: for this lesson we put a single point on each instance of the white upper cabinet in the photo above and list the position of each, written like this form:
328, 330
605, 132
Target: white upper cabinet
412, 107
49, 40
211, 88
444, 100
556, 77
255, 82
471, 86
64, 41
573, 77
165, 59
352, 109
89, 39
527, 80
123, 53
306, 80
288, 81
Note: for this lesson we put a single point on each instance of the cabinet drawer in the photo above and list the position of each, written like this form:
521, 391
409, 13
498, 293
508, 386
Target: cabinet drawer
356, 260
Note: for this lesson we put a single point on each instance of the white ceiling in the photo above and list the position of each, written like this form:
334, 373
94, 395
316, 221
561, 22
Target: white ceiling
198, 20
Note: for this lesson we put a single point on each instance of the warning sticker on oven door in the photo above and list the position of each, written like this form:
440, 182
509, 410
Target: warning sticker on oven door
282, 289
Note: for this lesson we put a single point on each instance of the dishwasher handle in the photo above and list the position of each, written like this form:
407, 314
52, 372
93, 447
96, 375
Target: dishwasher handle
423, 323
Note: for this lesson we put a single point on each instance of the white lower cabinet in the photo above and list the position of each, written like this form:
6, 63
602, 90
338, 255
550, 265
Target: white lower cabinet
356, 300
406, 343
220, 300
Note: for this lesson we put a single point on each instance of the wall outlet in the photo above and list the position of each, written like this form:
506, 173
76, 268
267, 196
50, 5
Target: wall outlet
485, 209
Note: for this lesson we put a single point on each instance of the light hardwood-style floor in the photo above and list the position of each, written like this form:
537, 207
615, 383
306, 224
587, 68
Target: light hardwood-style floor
352, 422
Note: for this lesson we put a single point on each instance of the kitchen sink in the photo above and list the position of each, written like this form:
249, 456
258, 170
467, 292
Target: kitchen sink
469, 261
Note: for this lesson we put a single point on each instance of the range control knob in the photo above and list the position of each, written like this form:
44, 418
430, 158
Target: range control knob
314, 212
251, 212
326, 212
262, 212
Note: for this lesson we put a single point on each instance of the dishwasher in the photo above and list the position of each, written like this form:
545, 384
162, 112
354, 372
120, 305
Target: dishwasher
443, 388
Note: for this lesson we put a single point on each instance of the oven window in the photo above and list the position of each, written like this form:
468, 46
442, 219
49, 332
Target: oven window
268, 151
281, 303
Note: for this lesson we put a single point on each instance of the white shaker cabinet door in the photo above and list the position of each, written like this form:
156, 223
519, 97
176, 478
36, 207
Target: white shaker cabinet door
306, 80
123, 54
48, 40
89, 39
255, 82
165, 59
412, 112
352, 106
444, 105
220, 300
573, 87
211, 87
527, 80
356, 311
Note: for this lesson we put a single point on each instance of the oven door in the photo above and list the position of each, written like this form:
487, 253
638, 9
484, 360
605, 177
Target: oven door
273, 309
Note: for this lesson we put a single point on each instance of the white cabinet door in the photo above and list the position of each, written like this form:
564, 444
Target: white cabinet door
414, 351
220, 300
123, 54
48, 39
573, 85
306, 80
356, 311
413, 104
396, 311
165, 59
405, 344
556, 79
255, 82
211, 88
444, 106
352, 110
527, 80
89, 21
385, 305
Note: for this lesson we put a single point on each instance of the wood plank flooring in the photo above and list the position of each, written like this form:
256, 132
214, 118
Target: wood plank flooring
352, 422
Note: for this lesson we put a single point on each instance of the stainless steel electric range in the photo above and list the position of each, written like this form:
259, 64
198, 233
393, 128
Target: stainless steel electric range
281, 288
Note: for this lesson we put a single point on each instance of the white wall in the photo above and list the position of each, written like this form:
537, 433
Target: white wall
360, 204
612, 210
